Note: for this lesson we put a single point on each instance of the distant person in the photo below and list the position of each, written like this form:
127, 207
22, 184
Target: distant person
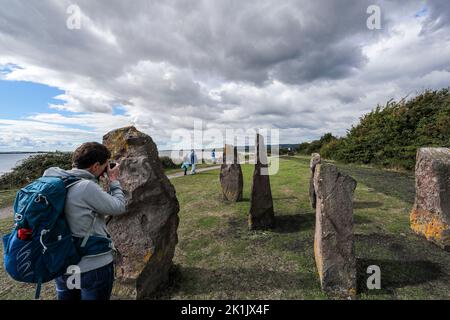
85, 209
193, 159
213, 156
186, 164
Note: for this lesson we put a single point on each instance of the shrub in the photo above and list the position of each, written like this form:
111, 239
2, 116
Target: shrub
167, 163
33, 167
390, 135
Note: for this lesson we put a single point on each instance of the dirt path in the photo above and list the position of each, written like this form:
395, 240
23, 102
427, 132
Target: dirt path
181, 174
6, 212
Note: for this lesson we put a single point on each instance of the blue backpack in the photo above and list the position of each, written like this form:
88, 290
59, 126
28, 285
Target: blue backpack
41, 246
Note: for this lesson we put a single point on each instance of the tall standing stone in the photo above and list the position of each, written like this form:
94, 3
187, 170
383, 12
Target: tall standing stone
146, 235
315, 160
334, 248
261, 205
231, 179
430, 216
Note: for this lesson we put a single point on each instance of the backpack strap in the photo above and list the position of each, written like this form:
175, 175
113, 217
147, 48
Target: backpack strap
37, 293
70, 181
91, 228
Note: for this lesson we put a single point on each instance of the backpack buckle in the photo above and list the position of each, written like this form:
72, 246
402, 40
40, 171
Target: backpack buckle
41, 240
18, 217
40, 197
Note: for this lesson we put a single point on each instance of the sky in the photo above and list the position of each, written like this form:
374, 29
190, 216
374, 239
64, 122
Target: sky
304, 68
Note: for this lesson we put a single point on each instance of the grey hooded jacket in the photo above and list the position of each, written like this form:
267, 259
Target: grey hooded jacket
84, 200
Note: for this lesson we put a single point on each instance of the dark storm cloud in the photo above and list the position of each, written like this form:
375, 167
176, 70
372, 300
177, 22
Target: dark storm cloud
292, 41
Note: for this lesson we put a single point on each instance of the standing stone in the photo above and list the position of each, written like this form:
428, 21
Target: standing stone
315, 160
334, 248
231, 178
146, 235
261, 205
430, 216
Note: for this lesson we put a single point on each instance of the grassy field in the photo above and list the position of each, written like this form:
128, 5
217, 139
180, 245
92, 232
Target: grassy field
218, 258
7, 197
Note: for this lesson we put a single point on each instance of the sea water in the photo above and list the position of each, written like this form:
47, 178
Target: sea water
9, 160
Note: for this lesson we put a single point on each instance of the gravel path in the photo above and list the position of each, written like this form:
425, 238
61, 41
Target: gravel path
6, 212
181, 174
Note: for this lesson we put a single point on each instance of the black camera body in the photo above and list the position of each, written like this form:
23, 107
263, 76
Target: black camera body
111, 166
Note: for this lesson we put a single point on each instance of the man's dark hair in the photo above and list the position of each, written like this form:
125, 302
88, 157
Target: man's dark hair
90, 153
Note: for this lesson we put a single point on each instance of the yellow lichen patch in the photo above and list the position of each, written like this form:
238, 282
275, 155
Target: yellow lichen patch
117, 141
428, 224
352, 292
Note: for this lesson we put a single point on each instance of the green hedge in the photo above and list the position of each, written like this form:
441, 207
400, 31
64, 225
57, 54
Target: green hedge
167, 163
390, 136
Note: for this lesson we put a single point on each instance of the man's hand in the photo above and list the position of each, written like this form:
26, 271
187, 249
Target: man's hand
114, 173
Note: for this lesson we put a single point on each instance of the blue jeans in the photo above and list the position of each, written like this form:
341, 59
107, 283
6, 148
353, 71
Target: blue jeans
95, 285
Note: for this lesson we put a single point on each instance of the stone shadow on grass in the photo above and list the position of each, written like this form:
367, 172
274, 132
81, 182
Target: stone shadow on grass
285, 198
357, 219
406, 263
293, 222
221, 199
366, 204
397, 274
225, 283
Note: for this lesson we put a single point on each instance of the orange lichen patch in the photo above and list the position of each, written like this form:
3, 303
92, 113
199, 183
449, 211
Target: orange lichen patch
319, 260
148, 256
429, 225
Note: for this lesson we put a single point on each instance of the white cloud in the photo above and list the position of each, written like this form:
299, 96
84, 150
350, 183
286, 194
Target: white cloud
26, 135
305, 67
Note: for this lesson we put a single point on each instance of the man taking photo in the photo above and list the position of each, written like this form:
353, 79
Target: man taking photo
86, 207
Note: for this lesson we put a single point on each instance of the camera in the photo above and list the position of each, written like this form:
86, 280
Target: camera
111, 166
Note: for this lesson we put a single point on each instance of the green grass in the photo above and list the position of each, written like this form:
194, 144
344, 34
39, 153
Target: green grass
7, 197
218, 258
